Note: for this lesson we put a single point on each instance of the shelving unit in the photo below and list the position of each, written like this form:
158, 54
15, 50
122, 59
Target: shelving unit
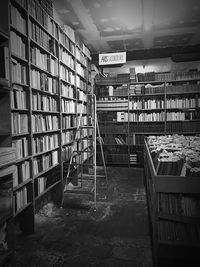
173, 204
7, 153
161, 103
50, 79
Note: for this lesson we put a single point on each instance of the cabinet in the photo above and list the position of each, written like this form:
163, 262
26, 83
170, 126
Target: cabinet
154, 104
50, 79
173, 197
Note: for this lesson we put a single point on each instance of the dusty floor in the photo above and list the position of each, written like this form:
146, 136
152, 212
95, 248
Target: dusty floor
115, 234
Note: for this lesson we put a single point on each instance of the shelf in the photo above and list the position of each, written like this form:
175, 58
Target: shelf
68, 98
66, 66
40, 25
43, 70
12, 27
45, 112
42, 48
19, 110
22, 159
19, 135
66, 49
46, 132
44, 152
18, 58
44, 92
19, 186
5, 83
47, 170
47, 190
22, 209
21, 84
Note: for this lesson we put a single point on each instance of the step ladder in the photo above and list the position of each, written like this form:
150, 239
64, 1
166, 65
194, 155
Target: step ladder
69, 187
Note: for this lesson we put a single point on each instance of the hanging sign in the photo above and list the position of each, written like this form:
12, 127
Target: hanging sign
112, 58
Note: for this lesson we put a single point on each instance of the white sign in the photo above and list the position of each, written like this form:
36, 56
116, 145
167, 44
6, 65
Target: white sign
112, 58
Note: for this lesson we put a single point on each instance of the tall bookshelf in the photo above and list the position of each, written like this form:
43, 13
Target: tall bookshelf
49, 85
154, 103
173, 197
7, 153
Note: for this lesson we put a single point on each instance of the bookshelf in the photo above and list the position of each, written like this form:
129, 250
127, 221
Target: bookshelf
7, 153
154, 103
50, 81
172, 186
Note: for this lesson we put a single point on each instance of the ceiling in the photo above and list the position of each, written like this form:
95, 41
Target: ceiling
139, 27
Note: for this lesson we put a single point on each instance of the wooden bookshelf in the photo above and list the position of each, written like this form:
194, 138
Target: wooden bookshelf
151, 103
50, 81
173, 211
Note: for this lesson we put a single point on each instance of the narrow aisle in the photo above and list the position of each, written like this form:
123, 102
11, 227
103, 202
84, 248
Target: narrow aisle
117, 234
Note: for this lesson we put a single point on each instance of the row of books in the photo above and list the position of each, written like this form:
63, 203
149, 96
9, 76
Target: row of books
142, 117
81, 108
133, 158
45, 143
65, 33
18, 46
66, 42
44, 162
68, 121
19, 72
23, 172
184, 88
188, 115
47, 5
176, 231
67, 75
183, 102
84, 144
18, 97
21, 147
7, 155
175, 154
40, 185
81, 57
42, 17
41, 123
67, 137
179, 204
66, 58
21, 199
66, 153
68, 90
38, 35
80, 70
44, 61
44, 103
19, 123
81, 96
168, 76
136, 89
68, 106
81, 84
17, 21
112, 105
43, 82
146, 104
